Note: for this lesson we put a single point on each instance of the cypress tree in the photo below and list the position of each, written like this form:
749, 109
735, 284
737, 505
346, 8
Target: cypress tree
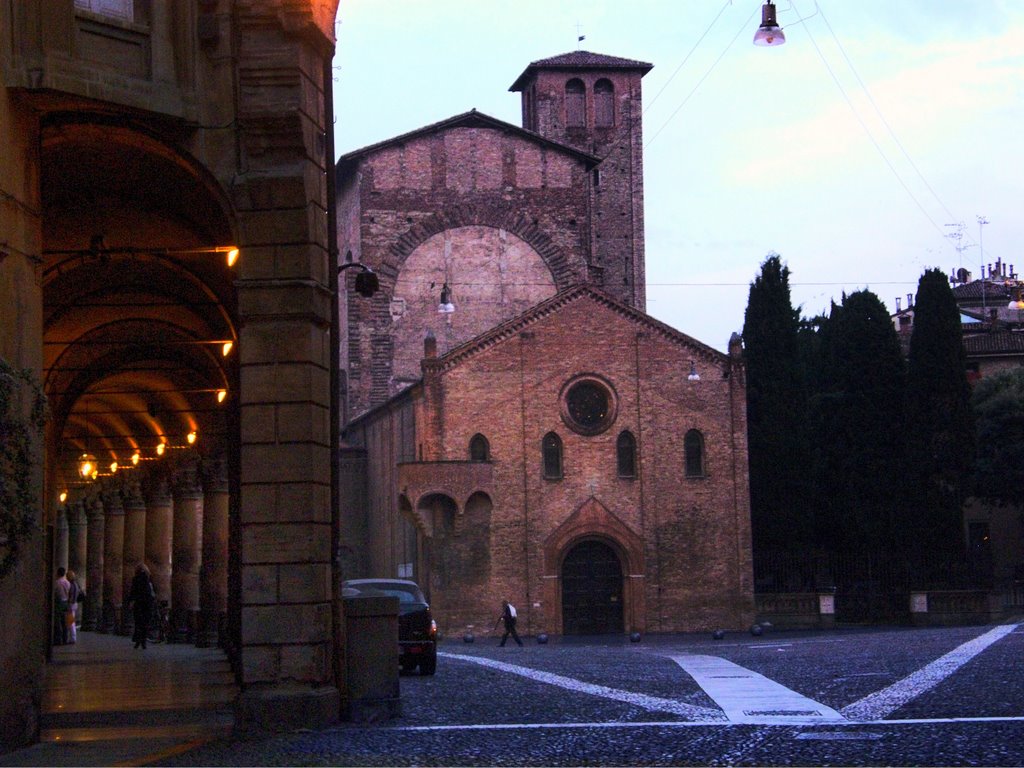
776, 413
939, 423
858, 416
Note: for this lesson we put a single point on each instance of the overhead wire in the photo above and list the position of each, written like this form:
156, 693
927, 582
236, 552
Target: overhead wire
881, 117
687, 57
867, 131
714, 64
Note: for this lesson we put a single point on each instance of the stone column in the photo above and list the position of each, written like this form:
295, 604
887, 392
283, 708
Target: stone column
285, 311
113, 562
134, 546
77, 537
158, 535
186, 553
61, 535
93, 615
213, 574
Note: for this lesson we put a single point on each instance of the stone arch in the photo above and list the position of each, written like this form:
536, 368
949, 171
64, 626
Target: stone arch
132, 290
593, 521
508, 219
170, 177
493, 275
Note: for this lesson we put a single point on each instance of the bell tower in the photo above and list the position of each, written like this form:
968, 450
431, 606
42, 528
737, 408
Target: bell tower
593, 102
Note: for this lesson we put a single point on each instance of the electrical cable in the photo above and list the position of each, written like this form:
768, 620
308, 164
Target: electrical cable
686, 58
868, 133
746, 25
888, 127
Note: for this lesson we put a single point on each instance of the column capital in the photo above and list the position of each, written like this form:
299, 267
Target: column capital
215, 475
186, 481
156, 490
94, 507
112, 502
132, 493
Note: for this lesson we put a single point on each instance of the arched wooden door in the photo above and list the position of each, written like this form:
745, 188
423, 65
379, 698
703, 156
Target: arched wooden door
591, 590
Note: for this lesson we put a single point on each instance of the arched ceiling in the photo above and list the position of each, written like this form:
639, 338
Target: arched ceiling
138, 300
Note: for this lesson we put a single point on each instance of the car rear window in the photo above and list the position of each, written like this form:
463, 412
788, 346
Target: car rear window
404, 594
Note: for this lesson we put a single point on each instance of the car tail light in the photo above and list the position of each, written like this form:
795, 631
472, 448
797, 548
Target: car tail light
433, 628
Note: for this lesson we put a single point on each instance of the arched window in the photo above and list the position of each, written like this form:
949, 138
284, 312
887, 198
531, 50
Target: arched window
693, 445
604, 103
551, 447
479, 450
575, 104
625, 451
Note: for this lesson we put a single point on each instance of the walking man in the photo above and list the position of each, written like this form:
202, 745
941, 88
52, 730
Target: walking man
508, 615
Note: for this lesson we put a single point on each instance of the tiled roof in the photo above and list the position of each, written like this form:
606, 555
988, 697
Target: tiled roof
995, 343
580, 60
992, 291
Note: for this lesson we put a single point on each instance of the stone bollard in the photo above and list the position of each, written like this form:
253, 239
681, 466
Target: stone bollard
371, 657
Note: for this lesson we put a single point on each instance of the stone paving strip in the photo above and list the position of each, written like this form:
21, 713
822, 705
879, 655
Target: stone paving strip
751, 698
650, 703
882, 703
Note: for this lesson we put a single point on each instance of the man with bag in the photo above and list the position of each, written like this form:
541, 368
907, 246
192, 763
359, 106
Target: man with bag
508, 615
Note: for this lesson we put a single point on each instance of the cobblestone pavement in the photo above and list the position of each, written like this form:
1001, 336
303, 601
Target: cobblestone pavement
952, 696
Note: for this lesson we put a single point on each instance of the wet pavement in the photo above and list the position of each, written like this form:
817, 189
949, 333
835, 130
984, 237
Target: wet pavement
106, 703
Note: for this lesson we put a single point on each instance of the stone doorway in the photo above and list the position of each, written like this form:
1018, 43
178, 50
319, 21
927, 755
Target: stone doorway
592, 590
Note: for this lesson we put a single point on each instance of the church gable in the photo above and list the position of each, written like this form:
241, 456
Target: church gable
456, 132
575, 310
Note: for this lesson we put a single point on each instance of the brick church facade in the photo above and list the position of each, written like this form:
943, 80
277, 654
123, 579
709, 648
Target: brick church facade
542, 440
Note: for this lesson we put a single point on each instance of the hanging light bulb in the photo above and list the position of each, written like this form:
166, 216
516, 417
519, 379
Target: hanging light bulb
161, 447
221, 395
445, 306
191, 437
232, 256
226, 349
113, 467
135, 459
769, 33
86, 465
63, 496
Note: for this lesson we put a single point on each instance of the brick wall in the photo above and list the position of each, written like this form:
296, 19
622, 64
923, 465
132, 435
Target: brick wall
618, 198
687, 537
503, 218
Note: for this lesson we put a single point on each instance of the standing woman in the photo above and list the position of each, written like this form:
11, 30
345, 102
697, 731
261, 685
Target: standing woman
74, 598
141, 600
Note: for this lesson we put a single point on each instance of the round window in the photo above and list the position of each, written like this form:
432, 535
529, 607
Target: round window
588, 406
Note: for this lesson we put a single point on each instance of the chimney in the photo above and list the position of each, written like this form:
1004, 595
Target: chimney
910, 300
897, 303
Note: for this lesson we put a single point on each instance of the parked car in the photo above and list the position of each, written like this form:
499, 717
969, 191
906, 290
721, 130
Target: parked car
417, 630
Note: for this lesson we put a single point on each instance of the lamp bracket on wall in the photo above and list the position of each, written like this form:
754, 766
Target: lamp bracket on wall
367, 282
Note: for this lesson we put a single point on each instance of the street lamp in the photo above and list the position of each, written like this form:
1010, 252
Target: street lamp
367, 282
769, 33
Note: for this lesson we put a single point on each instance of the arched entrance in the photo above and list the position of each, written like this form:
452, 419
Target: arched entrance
591, 590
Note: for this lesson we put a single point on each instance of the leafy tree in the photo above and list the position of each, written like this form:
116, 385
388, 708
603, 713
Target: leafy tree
858, 416
776, 412
998, 403
940, 433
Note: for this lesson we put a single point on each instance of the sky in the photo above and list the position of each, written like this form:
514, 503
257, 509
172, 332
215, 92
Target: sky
856, 151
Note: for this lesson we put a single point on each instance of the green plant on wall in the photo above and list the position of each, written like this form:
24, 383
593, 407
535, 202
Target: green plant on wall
19, 436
